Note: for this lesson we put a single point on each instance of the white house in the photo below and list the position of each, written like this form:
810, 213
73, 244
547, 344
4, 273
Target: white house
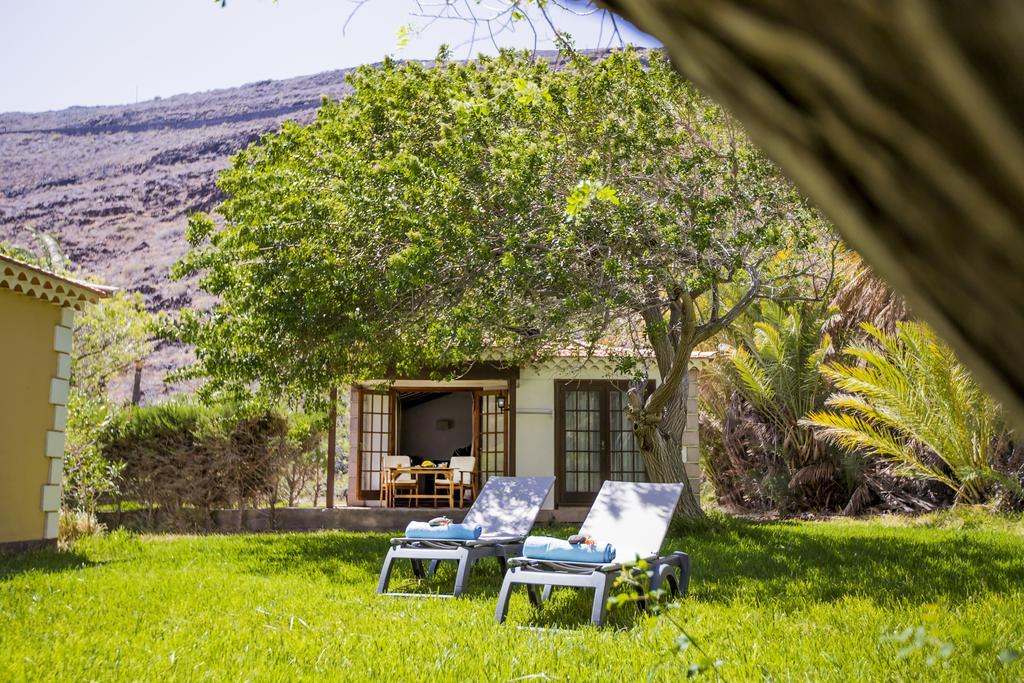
562, 417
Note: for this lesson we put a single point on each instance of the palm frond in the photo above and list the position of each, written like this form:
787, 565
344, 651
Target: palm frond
855, 433
905, 394
752, 377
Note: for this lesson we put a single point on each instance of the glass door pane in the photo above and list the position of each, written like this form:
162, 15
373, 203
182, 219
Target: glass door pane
582, 440
376, 410
491, 444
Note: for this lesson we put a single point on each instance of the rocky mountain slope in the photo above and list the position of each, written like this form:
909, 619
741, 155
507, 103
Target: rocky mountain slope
115, 184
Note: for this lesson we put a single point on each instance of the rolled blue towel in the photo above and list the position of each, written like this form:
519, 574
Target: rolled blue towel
451, 532
558, 550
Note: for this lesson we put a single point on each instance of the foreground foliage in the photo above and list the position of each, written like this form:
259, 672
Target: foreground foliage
787, 601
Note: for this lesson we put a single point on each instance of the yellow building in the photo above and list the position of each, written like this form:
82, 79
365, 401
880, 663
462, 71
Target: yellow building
36, 319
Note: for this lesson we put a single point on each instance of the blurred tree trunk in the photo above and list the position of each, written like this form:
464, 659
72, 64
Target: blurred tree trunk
904, 122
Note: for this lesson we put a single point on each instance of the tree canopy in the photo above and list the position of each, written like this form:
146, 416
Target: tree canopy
438, 212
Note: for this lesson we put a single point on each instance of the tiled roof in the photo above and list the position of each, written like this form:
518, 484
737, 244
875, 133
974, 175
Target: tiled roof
34, 281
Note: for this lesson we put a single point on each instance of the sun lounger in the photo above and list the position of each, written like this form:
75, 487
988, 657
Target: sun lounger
633, 518
506, 509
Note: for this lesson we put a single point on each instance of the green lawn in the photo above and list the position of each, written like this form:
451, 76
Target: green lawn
773, 601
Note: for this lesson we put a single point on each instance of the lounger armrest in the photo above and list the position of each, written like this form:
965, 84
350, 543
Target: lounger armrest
673, 557
504, 540
558, 566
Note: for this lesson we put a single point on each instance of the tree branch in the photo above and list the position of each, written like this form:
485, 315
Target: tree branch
680, 362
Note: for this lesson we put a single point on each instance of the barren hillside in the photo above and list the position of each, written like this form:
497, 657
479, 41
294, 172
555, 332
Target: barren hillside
116, 184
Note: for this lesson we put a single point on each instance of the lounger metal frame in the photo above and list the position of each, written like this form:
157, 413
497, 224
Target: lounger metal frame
672, 570
465, 553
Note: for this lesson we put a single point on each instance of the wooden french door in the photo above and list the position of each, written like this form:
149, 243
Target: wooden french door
491, 433
376, 438
593, 439
378, 429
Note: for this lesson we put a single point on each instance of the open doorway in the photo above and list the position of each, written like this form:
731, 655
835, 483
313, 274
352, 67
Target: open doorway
433, 425
430, 423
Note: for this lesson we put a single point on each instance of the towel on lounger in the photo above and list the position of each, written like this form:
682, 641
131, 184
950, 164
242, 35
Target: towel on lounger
558, 550
450, 532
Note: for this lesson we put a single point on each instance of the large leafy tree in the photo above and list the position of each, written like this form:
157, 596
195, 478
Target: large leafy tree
505, 206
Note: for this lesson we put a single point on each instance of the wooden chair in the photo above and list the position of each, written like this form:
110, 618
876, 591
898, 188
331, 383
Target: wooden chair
463, 477
395, 484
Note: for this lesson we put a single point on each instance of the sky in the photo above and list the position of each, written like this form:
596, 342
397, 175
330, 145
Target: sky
60, 53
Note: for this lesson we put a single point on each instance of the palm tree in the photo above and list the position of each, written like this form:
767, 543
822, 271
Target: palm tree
47, 254
764, 456
907, 399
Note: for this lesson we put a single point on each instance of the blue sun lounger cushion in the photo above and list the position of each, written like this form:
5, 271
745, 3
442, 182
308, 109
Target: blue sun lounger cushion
559, 550
447, 532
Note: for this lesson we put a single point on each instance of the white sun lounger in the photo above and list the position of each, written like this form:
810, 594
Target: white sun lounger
634, 518
506, 509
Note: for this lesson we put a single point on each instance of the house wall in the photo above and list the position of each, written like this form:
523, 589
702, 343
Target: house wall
35, 343
420, 436
534, 404
535, 416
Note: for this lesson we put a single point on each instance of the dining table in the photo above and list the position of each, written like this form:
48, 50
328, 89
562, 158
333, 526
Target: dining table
416, 472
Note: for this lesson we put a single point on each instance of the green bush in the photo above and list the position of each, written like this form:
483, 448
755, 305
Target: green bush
88, 476
303, 470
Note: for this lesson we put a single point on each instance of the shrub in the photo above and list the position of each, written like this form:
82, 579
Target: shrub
88, 476
305, 458
76, 524
107, 338
177, 455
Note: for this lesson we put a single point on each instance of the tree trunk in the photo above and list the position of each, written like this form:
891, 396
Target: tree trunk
903, 122
658, 427
663, 458
332, 444
659, 420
